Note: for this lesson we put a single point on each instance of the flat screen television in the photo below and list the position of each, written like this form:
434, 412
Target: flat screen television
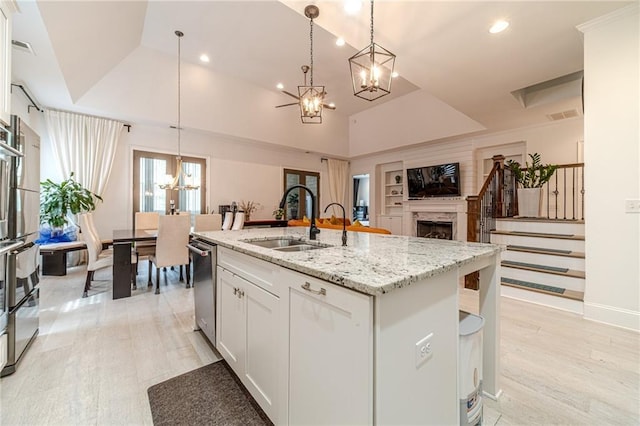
442, 180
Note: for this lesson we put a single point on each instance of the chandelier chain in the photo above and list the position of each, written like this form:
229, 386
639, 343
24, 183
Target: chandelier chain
372, 22
311, 49
179, 80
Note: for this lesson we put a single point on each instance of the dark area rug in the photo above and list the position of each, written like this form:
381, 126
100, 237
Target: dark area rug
209, 395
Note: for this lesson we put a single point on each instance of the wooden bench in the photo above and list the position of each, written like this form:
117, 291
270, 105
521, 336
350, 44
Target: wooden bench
54, 256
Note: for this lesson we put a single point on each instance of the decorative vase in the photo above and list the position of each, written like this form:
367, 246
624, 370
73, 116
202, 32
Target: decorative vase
247, 217
398, 178
279, 217
529, 202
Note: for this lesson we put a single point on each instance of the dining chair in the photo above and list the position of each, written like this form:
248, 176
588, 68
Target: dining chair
97, 257
228, 220
145, 221
208, 222
171, 245
238, 221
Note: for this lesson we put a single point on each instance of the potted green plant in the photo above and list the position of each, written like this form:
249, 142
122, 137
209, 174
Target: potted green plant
278, 213
292, 202
60, 200
531, 178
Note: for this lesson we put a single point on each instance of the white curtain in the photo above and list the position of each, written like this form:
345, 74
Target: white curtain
83, 145
338, 181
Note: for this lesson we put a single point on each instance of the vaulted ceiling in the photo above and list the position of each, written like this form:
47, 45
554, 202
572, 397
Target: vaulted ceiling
118, 59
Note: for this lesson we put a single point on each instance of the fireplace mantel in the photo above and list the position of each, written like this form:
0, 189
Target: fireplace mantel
437, 210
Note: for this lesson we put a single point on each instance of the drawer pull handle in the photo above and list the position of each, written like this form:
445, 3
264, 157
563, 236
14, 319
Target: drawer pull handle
307, 286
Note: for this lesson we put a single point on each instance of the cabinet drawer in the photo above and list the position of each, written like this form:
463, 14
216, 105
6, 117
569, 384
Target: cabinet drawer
332, 294
259, 272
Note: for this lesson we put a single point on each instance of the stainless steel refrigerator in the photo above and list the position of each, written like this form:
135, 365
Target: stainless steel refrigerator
23, 262
7, 153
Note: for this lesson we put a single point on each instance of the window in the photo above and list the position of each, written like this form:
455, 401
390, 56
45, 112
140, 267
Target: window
150, 168
299, 200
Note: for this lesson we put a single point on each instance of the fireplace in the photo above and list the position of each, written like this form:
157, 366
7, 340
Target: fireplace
434, 229
435, 224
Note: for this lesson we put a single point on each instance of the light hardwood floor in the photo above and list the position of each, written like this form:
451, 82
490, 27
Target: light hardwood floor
95, 358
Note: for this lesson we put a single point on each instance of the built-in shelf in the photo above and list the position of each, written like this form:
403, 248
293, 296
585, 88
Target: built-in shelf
390, 185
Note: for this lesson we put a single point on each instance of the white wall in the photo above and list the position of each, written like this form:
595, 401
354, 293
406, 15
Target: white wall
612, 175
30, 116
237, 170
409, 119
556, 142
148, 93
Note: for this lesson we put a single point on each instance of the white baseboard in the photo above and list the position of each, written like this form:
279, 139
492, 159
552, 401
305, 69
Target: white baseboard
612, 315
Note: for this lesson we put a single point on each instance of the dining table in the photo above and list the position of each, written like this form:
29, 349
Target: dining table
123, 240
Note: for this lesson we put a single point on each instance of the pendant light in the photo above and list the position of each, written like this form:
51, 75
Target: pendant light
181, 180
311, 97
371, 70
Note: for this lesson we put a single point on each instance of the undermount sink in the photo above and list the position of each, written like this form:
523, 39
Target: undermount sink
287, 244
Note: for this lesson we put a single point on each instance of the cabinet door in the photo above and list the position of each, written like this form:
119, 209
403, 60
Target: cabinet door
396, 225
392, 223
262, 355
330, 355
230, 323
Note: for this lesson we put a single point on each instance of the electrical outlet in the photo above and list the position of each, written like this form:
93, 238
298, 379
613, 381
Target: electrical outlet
632, 206
424, 349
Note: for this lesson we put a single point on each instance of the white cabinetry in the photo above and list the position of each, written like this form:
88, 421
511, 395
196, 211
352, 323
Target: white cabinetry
330, 353
6, 9
303, 347
247, 321
392, 223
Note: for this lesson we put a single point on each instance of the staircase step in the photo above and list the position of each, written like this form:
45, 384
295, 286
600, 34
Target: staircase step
543, 268
541, 235
541, 288
554, 226
540, 219
535, 240
540, 250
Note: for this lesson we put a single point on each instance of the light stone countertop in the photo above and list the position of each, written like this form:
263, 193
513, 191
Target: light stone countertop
373, 264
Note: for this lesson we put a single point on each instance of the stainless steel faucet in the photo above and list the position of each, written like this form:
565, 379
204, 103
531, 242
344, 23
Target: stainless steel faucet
313, 229
344, 221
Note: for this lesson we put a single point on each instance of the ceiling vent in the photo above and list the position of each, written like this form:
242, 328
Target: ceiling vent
22, 45
564, 114
558, 89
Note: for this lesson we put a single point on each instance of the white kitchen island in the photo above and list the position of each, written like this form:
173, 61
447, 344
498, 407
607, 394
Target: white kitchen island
336, 335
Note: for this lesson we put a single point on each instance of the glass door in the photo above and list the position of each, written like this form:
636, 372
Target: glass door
150, 168
299, 200
361, 198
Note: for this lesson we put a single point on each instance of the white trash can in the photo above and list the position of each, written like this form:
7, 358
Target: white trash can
470, 369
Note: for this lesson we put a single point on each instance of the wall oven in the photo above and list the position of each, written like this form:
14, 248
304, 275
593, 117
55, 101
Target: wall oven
22, 260
7, 153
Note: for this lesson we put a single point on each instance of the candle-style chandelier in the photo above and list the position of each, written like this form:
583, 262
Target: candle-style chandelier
181, 180
371, 70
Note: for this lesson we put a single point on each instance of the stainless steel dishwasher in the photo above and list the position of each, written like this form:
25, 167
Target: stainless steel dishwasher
203, 255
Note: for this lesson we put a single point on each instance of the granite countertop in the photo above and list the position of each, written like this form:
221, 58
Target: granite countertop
370, 263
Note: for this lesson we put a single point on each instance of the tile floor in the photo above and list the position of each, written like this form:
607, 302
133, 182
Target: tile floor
95, 358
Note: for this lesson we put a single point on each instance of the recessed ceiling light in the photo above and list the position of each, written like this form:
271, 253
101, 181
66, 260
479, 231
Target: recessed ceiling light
351, 7
498, 27
204, 58
339, 41
280, 86
394, 74
332, 105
